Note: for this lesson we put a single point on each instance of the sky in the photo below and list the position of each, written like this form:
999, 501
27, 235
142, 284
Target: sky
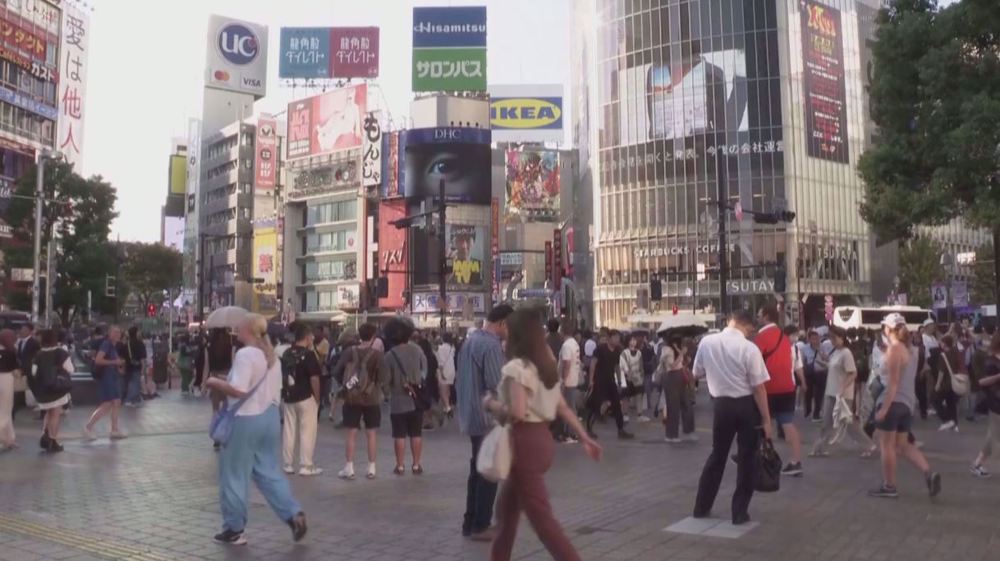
147, 61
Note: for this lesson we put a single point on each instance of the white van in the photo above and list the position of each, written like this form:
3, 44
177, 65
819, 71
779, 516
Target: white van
860, 317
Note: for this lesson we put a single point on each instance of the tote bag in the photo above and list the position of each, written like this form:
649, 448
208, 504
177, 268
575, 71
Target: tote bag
960, 383
221, 428
768, 464
495, 454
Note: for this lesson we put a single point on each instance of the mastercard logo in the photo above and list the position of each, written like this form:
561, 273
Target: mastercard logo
221, 75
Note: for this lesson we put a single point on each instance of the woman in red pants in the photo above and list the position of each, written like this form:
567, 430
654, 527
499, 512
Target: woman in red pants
530, 399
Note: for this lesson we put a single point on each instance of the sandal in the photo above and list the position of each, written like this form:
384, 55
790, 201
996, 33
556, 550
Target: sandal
869, 452
418, 470
399, 470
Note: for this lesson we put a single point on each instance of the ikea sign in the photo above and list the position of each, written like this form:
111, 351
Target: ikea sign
526, 113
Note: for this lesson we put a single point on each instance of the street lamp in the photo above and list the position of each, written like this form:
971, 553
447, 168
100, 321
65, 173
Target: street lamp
43, 155
947, 264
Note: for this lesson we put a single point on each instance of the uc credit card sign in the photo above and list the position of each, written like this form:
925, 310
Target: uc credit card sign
526, 113
449, 49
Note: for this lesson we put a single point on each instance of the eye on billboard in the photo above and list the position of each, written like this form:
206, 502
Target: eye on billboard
459, 156
327, 123
825, 90
449, 49
529, 113
237, 56
533, 185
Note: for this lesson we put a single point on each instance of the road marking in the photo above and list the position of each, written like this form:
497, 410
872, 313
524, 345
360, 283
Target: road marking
78, 541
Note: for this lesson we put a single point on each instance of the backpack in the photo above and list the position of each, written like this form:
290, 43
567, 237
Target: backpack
290, 361
359, 384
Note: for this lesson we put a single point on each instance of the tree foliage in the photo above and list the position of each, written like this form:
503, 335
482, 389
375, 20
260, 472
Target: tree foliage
935, 96
919, 267
79, 212
149, 269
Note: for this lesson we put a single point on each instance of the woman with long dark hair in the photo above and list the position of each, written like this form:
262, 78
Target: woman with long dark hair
530, 399
8, 368
945, 398
51, 397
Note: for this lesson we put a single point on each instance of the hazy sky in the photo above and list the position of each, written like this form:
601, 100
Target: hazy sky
147, 61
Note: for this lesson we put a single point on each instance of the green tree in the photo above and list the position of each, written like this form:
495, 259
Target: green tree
919, 267
935, 96
79, 212
984, 276
151, 268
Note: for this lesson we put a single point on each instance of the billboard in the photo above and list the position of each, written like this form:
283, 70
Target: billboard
390, 165
533, 184
178, 175
449, 49
392, 253
6, 192
266, 160
265, 267
530, 113
430, 302
73, 66
305, 52
237, 56
354, 52
371, 152
823, 81
327, 123
191, 209
458, 156
467, 252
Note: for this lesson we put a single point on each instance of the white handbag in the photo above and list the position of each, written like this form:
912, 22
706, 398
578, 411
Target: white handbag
960, 383
495, 454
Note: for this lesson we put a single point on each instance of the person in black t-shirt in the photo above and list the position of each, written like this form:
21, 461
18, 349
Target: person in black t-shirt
603, 387
990, 384
300, 394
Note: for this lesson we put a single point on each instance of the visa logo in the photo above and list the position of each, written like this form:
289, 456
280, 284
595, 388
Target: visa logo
525, 113
252, 83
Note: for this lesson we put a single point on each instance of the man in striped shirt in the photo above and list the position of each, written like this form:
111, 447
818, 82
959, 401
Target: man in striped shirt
479, 364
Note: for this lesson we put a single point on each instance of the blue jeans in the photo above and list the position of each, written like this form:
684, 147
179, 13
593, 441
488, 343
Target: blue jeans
252, 451
134, 387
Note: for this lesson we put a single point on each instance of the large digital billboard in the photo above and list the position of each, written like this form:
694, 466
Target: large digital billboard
457, 156
467, 253
533, 184
823, 77
328, 122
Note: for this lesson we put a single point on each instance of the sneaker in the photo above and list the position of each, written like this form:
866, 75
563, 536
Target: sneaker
54, 446
43, 442
792, 469
956, 428
690, 437
231, 537
571, 440
88, 434
371, 471
118, 435
625, 435
933, 484
884, 492
310, 470
348, 472
947, 426
626, 418
817, 420
672, 440
644, 419
298, 526
980, 471
287, 468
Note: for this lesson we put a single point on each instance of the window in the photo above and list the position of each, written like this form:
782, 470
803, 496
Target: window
329, 241
332, 212
338, 270
321, 301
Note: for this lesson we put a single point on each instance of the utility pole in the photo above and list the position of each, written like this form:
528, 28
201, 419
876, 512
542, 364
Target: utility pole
722, 194
36, 286
443, 261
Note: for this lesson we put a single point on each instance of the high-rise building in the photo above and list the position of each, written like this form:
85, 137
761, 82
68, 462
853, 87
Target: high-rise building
759, 103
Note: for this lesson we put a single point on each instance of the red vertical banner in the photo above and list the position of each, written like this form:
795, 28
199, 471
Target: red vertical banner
267, 153
392, 255
495, 245
556, 259
570, 250
548, 260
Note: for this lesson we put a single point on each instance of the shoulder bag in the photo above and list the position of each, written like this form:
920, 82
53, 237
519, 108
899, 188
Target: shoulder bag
221, 428
495, 454
960, 383
416, 393
768, 468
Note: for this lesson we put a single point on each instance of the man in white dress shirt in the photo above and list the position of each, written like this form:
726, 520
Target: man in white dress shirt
735, 372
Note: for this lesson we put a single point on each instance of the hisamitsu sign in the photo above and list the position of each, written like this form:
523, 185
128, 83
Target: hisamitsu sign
449, 49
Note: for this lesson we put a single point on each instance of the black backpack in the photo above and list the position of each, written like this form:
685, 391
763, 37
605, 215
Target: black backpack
290, 361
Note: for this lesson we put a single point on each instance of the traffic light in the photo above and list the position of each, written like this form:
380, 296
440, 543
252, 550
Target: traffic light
151, 310
110, 287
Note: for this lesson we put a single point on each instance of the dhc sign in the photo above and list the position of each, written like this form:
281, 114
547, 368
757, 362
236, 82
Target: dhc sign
519, 113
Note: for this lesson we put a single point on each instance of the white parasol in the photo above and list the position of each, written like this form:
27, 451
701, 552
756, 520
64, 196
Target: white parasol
228, 316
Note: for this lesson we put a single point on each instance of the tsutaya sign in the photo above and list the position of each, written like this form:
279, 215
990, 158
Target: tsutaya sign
752, 286
680, 250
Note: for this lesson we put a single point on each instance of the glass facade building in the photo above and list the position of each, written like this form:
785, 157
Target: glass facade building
758, 103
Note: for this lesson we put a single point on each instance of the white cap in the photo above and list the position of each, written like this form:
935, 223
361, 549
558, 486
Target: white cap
894, 320
927, 322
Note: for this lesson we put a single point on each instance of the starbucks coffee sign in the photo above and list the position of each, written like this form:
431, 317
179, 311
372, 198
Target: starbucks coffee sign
681, 250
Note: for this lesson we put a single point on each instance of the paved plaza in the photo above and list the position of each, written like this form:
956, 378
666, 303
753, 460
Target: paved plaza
153, 497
